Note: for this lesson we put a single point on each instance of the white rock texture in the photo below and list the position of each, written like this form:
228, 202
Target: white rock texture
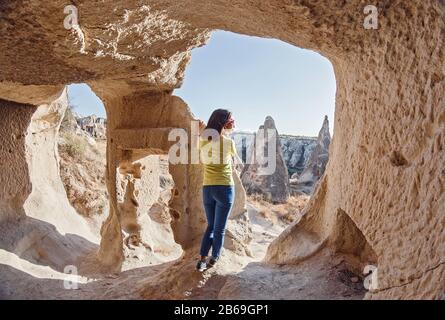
385, 177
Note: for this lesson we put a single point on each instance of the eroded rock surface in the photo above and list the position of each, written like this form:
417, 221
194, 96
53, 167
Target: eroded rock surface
305, 157
94, 126
296, 150
386, 159
82, 169
259, 175
316, 165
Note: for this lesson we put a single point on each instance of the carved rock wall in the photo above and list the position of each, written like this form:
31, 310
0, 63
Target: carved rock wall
386, 158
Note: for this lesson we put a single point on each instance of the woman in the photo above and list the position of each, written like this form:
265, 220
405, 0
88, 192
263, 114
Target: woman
217, 151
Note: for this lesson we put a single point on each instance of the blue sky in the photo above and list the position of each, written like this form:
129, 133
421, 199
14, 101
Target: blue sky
254, 78
84, 101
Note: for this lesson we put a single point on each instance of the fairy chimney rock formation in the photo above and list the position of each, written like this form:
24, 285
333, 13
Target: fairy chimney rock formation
317, 163
297, 150
266, 171
384, 179
93, 125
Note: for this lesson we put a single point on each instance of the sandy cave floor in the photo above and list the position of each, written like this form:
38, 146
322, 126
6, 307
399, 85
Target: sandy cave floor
234, 278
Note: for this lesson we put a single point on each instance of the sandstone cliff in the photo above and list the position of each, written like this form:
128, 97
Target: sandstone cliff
255, 177
296, 150
381, 199
82, 169
316, 164
305, 158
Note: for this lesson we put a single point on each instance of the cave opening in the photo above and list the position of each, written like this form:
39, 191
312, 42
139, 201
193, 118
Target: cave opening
381, 172
259, 79
82, 154
145, 189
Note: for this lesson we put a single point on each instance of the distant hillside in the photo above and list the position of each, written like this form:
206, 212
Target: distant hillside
297, 150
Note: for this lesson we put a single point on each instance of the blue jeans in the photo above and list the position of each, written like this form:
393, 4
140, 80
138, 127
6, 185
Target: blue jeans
218, 201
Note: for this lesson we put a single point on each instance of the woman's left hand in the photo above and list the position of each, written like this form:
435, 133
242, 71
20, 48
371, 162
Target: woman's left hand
202, 125
239, 167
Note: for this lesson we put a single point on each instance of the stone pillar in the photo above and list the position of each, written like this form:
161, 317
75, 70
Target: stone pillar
138, 123
15, 182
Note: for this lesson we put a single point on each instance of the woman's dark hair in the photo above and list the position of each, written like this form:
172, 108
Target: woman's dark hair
218, 120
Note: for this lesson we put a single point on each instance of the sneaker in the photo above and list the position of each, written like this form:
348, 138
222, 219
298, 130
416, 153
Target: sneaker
201, 266
212, 261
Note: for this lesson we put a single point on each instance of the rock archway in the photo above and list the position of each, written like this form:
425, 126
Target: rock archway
386, 169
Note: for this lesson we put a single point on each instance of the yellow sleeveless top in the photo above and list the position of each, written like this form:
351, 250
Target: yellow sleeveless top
216, 156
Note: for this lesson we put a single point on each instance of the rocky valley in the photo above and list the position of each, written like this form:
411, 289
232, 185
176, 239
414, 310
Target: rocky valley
378, 205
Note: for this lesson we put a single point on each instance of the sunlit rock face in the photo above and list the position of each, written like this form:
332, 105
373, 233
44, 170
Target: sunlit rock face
256, 178
93, 125
296, 150
385, 176
305, 157
316, 165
